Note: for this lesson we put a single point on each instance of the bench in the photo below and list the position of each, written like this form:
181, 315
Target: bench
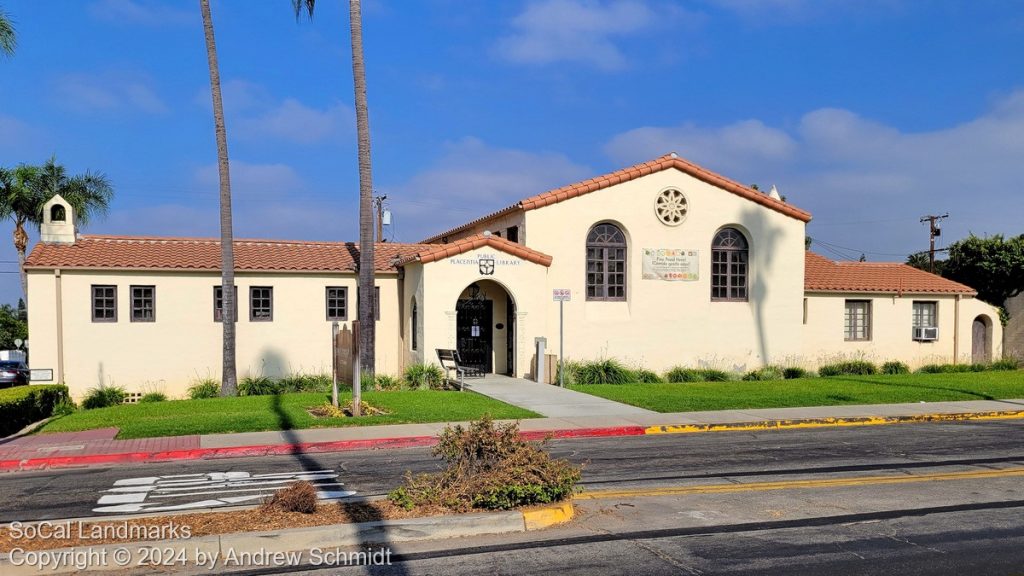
451, 362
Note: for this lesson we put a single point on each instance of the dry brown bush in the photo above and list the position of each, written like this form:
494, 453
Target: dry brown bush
298, 497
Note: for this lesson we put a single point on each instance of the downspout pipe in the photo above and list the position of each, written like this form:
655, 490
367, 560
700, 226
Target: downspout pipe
60, 326
956, 329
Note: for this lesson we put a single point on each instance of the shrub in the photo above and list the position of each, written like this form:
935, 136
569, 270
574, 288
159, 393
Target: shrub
103, 397
23, 405
646, 376
258, 386
1006, 364
764, 374
204, 388
848, 368
64, 407
895, 367
491, 467
795, 372
388, 383
606, 371
298, 497
951, 368
712, 375
571, 368
305, 383
679, 374
153, 397
423, 377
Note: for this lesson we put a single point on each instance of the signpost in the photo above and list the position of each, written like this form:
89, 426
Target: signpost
561, 295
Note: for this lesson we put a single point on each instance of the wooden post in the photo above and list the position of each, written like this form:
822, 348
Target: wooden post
357, 373
334, 363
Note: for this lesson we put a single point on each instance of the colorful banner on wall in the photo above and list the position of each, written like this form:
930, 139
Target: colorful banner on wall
671, 264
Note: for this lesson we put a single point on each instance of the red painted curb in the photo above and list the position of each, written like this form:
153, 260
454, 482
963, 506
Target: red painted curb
283, 449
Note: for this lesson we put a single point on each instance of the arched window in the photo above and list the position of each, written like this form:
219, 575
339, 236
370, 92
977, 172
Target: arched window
57, 213
415, 325
729, 254
606, 263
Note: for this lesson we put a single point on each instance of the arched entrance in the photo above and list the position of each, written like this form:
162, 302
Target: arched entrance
981, 340
485, 327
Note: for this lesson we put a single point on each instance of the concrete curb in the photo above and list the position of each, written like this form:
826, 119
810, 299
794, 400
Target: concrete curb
294, 546
20, 465
831, 422
50, 462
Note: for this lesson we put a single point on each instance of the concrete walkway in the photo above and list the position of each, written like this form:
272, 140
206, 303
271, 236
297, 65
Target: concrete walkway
547, 400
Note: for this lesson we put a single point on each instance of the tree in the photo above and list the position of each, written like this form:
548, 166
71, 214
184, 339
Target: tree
8, 39
920, 261
993, 266
25, 189
229, 383
366, 301
12, 327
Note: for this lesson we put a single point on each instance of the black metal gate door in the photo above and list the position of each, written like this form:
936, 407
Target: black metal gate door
473, 327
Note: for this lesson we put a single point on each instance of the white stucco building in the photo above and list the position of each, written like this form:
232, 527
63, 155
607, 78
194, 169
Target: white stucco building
667, 264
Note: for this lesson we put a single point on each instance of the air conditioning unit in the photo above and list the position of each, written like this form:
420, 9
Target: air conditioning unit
926, 333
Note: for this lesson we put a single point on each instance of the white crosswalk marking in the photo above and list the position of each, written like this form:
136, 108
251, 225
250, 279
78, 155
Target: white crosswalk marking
193, 491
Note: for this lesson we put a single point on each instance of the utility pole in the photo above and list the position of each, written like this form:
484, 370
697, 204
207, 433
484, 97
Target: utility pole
378, 202
934, 229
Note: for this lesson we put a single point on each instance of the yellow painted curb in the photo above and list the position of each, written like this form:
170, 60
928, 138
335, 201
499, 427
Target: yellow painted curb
796, 484
824, 422
540, 518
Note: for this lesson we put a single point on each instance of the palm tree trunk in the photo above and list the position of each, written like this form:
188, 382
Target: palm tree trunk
21, 245
229, 384
367, 304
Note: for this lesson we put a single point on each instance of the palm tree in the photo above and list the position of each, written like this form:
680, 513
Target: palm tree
8, 40
229, 383
25, 189
367, 304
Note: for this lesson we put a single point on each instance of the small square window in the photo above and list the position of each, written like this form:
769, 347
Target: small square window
925, 315
218, 303
261, 304
104, 303
143, 304
337, 303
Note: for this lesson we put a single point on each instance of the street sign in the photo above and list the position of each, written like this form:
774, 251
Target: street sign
561, 294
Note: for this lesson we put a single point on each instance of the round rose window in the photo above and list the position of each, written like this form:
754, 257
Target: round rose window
671, 207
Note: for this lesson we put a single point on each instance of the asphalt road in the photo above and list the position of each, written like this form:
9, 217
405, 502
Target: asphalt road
610, 463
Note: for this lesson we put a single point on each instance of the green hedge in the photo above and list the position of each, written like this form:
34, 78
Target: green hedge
23, 405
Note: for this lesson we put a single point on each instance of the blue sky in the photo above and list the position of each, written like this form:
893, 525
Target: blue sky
868, 113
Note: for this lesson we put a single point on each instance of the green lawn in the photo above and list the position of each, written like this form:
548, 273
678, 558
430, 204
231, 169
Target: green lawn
284, 412
831, 391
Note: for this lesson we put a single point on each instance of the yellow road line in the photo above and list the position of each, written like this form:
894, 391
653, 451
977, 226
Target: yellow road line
793, 484
823, 422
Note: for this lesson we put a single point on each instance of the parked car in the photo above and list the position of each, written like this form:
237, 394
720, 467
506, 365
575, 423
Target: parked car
13, 373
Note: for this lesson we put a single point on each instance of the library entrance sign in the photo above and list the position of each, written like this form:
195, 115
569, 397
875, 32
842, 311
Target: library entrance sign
670, 264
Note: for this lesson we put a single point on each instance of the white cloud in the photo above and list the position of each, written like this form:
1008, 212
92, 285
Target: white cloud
141, 12
259, 182
472, 179
866, 183
773, 11
581, 31
295, 122
108, 91
255, 115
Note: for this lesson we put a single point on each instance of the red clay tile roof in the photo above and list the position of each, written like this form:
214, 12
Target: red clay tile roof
625, 175
824, 275
203, 254
432, 252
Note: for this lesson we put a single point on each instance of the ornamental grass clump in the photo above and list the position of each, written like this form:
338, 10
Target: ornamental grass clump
895, 367
606, 371
103, 397
488, 466
849, 368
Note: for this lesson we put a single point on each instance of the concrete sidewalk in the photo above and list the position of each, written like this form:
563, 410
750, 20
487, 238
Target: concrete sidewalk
97, 447
549, 401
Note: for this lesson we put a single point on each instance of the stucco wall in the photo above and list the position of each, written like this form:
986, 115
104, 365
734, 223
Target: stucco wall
891, 330
500, 224
663, 323
184, 342
441, 283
